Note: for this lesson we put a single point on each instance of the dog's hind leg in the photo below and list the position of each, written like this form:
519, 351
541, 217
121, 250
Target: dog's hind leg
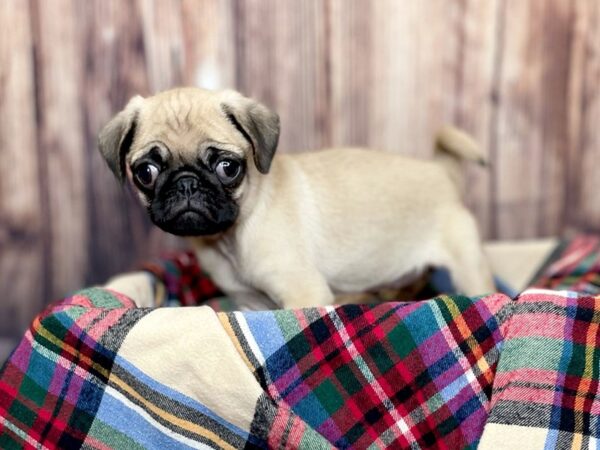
465, 259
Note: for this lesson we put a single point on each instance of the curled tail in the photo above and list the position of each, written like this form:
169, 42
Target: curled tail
452, 147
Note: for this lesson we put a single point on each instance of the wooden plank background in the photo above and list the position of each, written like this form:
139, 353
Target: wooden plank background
523, 77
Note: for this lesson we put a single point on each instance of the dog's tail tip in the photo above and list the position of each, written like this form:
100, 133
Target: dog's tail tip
455, 142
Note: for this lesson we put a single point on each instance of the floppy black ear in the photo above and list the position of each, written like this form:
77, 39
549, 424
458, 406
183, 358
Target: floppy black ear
258, 124
115, 139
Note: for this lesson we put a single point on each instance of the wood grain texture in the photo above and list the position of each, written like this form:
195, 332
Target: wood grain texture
584, 206
163, 42
21, 221
351, 70
522, 77
532, 119
63, 153
476, 25
414, 47
280, 61
209, 31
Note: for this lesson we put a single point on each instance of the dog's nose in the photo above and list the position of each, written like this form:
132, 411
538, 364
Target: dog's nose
187, 186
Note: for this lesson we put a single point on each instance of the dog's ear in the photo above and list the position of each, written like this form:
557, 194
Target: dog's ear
116, 137
257, 123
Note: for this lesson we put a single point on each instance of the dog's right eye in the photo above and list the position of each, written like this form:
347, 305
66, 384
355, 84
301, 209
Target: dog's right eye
146, 174
228, 170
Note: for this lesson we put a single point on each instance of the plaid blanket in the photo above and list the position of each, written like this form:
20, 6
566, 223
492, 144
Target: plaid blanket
574, 265
95, 371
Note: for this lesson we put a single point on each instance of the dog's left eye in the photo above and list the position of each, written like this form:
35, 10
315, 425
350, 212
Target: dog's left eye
228, 170
146, 174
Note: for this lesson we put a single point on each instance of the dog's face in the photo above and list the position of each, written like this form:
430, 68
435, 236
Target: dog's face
191, 155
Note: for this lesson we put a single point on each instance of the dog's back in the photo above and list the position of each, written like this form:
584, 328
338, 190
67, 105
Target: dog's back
385, 212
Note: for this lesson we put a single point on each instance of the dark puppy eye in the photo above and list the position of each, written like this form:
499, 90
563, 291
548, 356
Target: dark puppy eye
146, 174
228, 170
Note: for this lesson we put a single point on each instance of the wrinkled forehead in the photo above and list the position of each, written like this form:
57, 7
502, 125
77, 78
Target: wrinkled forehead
186, 125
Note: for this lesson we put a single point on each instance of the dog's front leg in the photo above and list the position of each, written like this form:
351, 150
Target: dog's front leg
136, 285
298, 289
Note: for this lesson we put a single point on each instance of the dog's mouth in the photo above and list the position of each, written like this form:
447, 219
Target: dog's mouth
192, 222
187, 222
189, 217
188, 214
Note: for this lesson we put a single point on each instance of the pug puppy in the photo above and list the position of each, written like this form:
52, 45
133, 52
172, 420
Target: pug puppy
293, 230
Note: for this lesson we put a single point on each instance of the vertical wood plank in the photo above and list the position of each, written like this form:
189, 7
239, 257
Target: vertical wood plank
209, 43
281, 62
21, 235
415, 46
256, 69
351, 70
558, 17
59, 74
583, 209
476, 25
163, 43
532, 121
299, 53
583, 15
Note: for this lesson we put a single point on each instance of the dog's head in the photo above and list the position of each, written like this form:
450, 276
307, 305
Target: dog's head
191, 154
